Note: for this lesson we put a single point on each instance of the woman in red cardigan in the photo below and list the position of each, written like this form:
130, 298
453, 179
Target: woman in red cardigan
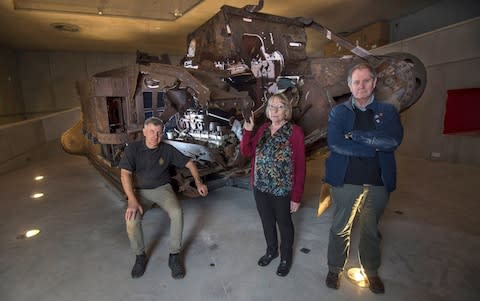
277, 151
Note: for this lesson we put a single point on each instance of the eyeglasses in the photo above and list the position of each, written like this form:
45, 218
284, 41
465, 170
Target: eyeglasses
275, 108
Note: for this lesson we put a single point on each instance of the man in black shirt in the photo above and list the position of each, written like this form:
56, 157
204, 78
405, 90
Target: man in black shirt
145, 180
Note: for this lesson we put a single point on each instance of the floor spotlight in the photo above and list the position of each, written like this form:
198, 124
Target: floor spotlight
28, 234
358, 277
37, 195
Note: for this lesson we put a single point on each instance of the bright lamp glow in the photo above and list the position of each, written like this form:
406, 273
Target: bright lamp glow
37, 195
28, 234
358, 277
39, 178
31, 233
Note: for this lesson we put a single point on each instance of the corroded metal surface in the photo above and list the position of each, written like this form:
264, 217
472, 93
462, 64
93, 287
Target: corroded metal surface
234, 63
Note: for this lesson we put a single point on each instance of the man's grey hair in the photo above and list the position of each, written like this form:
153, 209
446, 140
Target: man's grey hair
373, 74
153, 120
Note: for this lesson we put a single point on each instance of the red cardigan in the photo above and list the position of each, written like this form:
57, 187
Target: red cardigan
248, 146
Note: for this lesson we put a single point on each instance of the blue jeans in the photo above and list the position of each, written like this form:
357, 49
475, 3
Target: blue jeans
165, 197
369, 203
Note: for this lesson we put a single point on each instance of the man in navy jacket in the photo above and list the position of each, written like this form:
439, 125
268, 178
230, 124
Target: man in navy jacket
362, 137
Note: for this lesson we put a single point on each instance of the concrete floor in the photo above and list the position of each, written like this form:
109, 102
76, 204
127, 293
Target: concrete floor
431, 240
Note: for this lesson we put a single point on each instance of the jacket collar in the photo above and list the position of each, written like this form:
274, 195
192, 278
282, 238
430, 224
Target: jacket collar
351, 106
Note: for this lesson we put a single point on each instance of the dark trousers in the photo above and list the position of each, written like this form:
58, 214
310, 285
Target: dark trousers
369, 203
273, 211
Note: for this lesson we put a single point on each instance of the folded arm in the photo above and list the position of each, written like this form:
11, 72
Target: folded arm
386, 137
337, 140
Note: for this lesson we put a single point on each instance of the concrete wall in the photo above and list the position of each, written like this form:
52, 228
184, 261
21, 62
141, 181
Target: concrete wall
452, 58
48, 79
24, 141
438, 15
11, 101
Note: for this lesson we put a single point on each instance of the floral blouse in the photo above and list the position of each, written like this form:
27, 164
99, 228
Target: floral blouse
273, 164
295, 150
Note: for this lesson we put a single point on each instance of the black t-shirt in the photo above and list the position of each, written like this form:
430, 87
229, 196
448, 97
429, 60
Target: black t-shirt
150, 166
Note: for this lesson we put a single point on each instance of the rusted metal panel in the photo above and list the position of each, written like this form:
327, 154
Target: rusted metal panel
101, 114
107, 86
112, 138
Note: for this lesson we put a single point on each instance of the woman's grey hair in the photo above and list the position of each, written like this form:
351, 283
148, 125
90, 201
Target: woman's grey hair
359, 66
285, 101
153, 120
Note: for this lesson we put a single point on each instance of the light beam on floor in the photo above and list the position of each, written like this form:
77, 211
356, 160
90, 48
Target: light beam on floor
358, 277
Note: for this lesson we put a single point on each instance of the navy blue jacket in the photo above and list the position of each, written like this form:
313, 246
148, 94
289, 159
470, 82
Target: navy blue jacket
383, 140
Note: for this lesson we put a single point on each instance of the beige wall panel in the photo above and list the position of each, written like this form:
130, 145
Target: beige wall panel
6, 150
66, 95
38, 95
11, 102
68, 65
24, 141
26, 135
452, 43
34, 65
100, 62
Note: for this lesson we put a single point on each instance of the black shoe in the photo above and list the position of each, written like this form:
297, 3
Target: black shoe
266, 259
283, 268
376, 285
178, 271
333, 280
139, 266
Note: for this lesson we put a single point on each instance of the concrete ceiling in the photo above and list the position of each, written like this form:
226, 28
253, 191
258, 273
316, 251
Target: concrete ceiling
32, 29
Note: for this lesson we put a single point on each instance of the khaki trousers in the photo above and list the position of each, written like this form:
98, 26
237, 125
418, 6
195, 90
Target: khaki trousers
165, 197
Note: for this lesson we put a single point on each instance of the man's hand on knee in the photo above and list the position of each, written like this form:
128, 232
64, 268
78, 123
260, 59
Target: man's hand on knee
132, 210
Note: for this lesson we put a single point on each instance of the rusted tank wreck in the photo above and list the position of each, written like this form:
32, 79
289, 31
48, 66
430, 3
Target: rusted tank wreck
234, 62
